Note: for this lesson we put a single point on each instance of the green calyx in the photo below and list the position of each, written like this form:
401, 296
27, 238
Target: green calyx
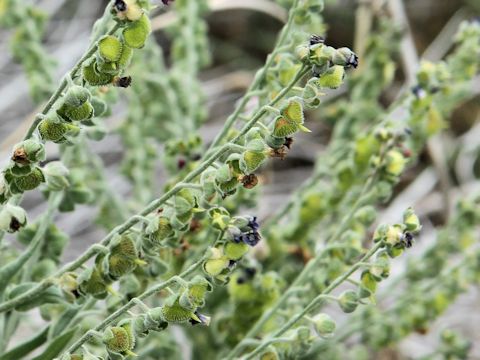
29, 181
51, 130
76, 96
136, 33
123, 257
110, 48
117, 339
332, 78
94, 77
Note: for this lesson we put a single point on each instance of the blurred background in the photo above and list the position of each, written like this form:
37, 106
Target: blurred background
241, 34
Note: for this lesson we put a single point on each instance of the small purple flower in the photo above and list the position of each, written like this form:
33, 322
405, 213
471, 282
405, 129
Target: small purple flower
253, 224
204, 320
167, 2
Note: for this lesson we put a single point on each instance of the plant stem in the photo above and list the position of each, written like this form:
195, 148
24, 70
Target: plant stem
317, 300
154, 205
305, 272
259, 76
56, 95
153, 290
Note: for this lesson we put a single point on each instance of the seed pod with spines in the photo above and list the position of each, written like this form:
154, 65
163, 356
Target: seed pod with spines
194, 295
332, 78
118, 340
123, 257
80, 113
235, 251
184, 201
29, 181
158, 229
56, 131
110, 68
76, 96
110, 48
368, 285
92, 76
173, 312
125, 58
91, 282
216, 263
28, 152
137, 32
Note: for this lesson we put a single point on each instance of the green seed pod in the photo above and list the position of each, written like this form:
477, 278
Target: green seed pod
220, 218
123, 257
76, 96
270, 354
411, 221
28, 151
110, 48
235, 251
348, 301
126, 57
324, 325
12, 218
216, 263
293, 111
283, 127
368, 285
117, 340
332, 78
311, 93
251, 161
194, 296
91, 282
395, 162
173, 312
393, 235
29, 181
51, 130
184, 201
136, 34
108, 68
275, 142
83, 112
159, 229
93, 77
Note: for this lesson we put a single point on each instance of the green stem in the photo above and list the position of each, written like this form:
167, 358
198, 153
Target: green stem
305, 272
118, 313
56, 95
154, 205
259, 77
316, 301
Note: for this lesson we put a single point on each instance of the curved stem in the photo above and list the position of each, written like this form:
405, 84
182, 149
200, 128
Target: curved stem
56, 95
154, 205
305, 272
153, 290
316, 301
259, 76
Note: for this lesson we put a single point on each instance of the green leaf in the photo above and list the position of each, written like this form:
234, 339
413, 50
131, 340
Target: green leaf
21, 350
57, 345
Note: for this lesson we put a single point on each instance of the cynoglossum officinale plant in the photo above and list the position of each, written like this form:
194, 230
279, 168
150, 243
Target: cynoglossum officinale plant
192, 264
